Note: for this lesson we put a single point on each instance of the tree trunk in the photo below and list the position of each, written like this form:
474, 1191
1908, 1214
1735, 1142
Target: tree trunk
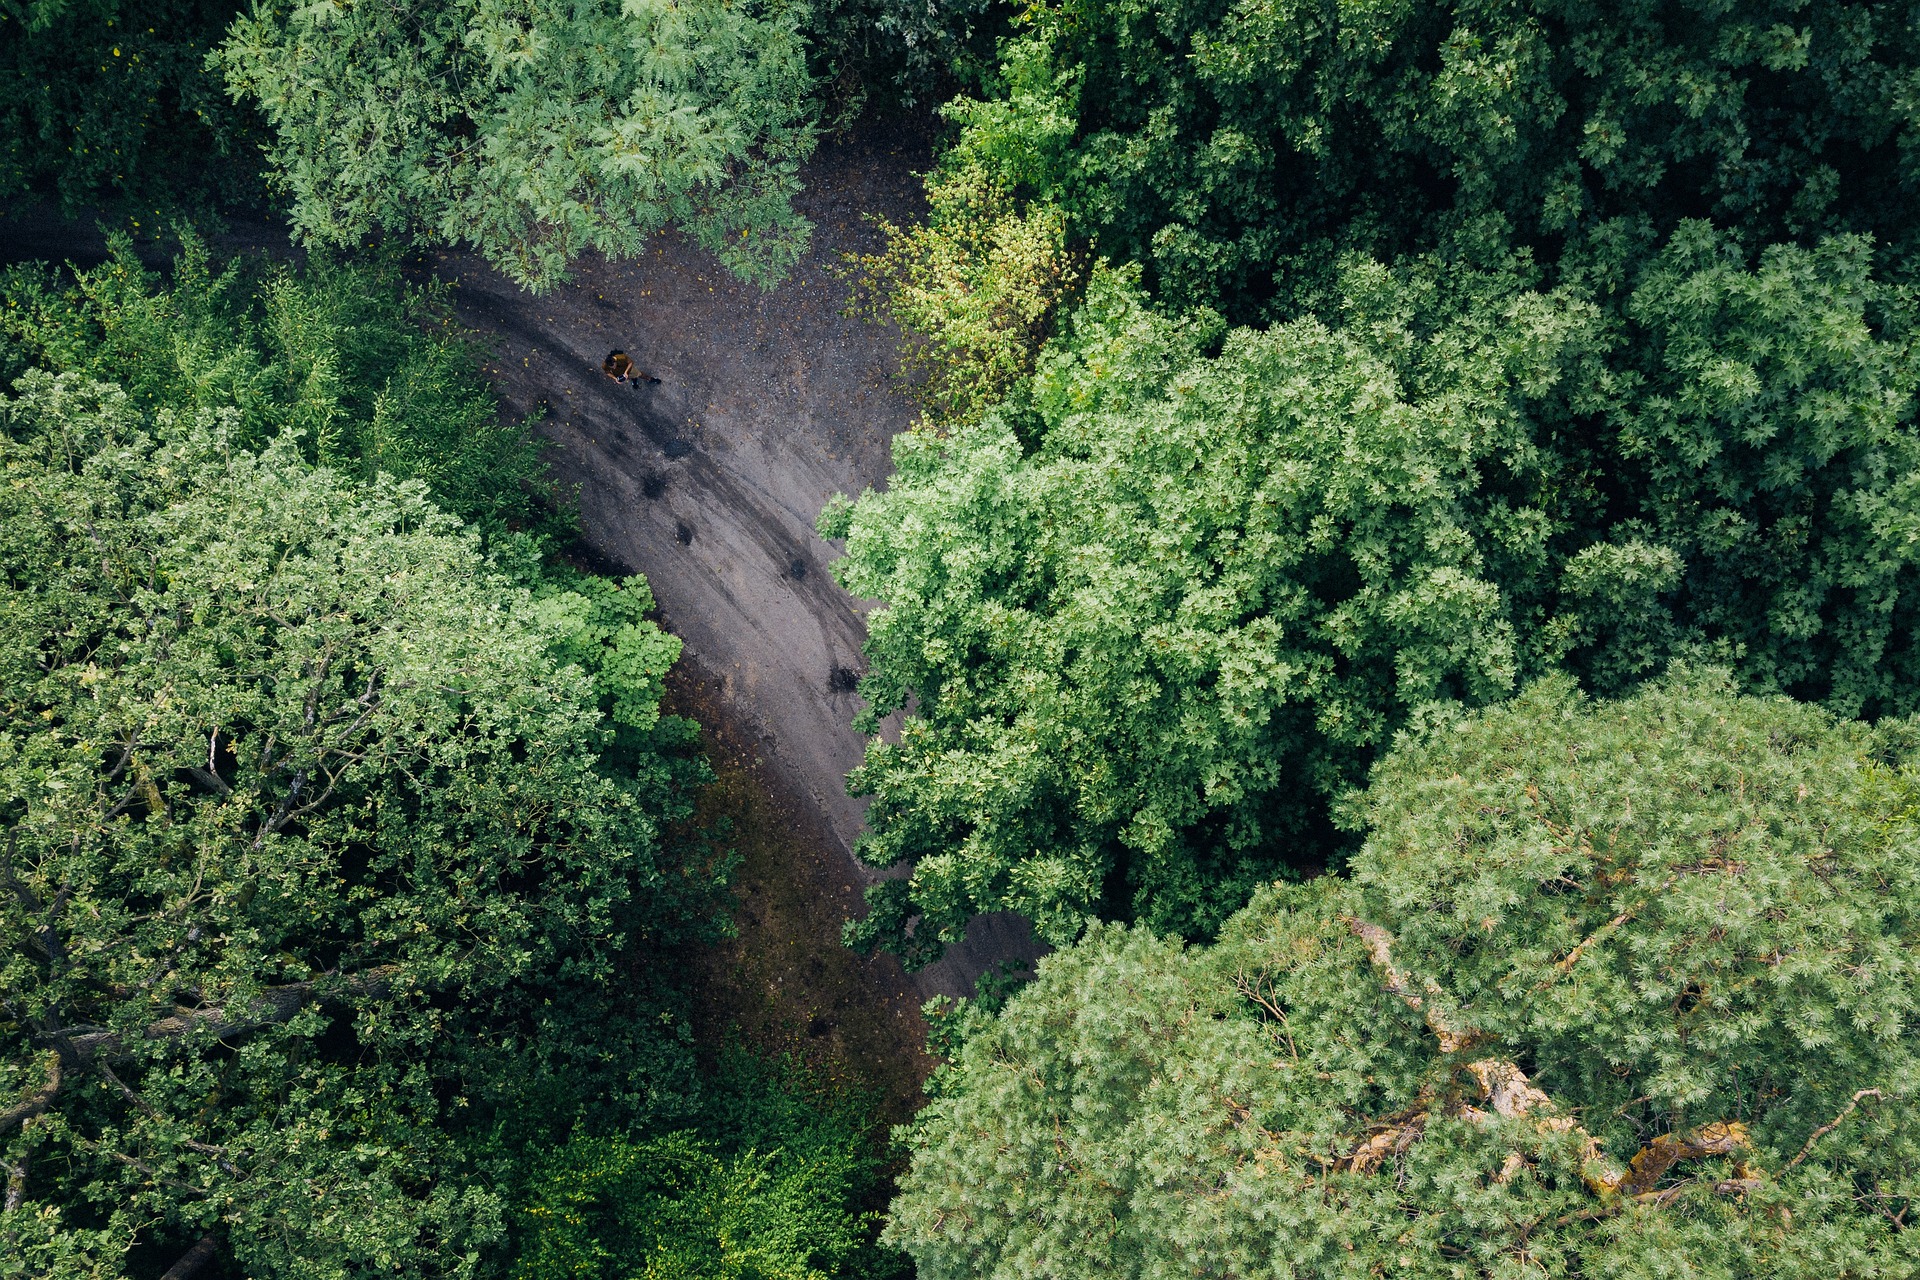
192, 1260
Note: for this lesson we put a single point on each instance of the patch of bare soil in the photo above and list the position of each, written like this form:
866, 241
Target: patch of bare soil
783, 985
708, 482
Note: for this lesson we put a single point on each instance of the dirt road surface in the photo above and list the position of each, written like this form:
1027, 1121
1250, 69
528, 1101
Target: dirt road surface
768, 404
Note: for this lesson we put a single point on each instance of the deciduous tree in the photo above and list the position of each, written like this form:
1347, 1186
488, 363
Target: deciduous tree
534, 130
1159, 610
300, 797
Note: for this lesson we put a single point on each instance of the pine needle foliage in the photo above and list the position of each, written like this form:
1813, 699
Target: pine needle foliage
1617, 989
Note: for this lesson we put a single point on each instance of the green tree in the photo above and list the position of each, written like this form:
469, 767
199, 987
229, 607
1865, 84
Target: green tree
1157, 612
317, 850
368, 373
536, 131
1236, 149
1614, 989
760, 1189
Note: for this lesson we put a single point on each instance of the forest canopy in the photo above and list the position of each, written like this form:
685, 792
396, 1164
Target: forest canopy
1433, 352
1612, 989
1404, 574
347, 844
536, 132
295, 784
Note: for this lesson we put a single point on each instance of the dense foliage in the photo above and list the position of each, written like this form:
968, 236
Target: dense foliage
105, 102
1618, 989
536, 132
765, 1196
876, 55
367, 372
1150, 648
296, 786
1586, 340
974, 290
1237, 148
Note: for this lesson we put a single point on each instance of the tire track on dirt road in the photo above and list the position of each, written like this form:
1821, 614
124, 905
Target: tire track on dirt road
770, 403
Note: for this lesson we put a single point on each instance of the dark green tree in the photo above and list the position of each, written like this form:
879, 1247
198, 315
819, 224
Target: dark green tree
1235, 149
1614, 989
106, 103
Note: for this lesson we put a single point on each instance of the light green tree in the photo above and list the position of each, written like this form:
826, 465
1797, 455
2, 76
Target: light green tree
311, 817
672, 1207
533, 130
974, 289
1614, 989
1162, 607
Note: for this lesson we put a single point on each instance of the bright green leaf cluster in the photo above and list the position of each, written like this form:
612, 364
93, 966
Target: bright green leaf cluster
671, 1207
974, 290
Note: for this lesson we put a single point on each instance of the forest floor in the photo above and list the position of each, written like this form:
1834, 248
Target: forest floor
769, 403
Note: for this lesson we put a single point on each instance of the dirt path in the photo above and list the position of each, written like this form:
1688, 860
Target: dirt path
769, 404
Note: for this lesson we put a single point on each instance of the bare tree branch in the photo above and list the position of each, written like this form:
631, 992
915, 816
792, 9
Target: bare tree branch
1426, 1002
16, 1186
1572, 958
1504, 1087
37, 1101
1824, 1129
271, 1007
193, 1259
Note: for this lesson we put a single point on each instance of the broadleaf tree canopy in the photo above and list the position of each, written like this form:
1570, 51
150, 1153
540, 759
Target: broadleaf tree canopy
535, 130
315, 839
1161, 609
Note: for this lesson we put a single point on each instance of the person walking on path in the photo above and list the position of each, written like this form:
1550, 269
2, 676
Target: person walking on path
620, 367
